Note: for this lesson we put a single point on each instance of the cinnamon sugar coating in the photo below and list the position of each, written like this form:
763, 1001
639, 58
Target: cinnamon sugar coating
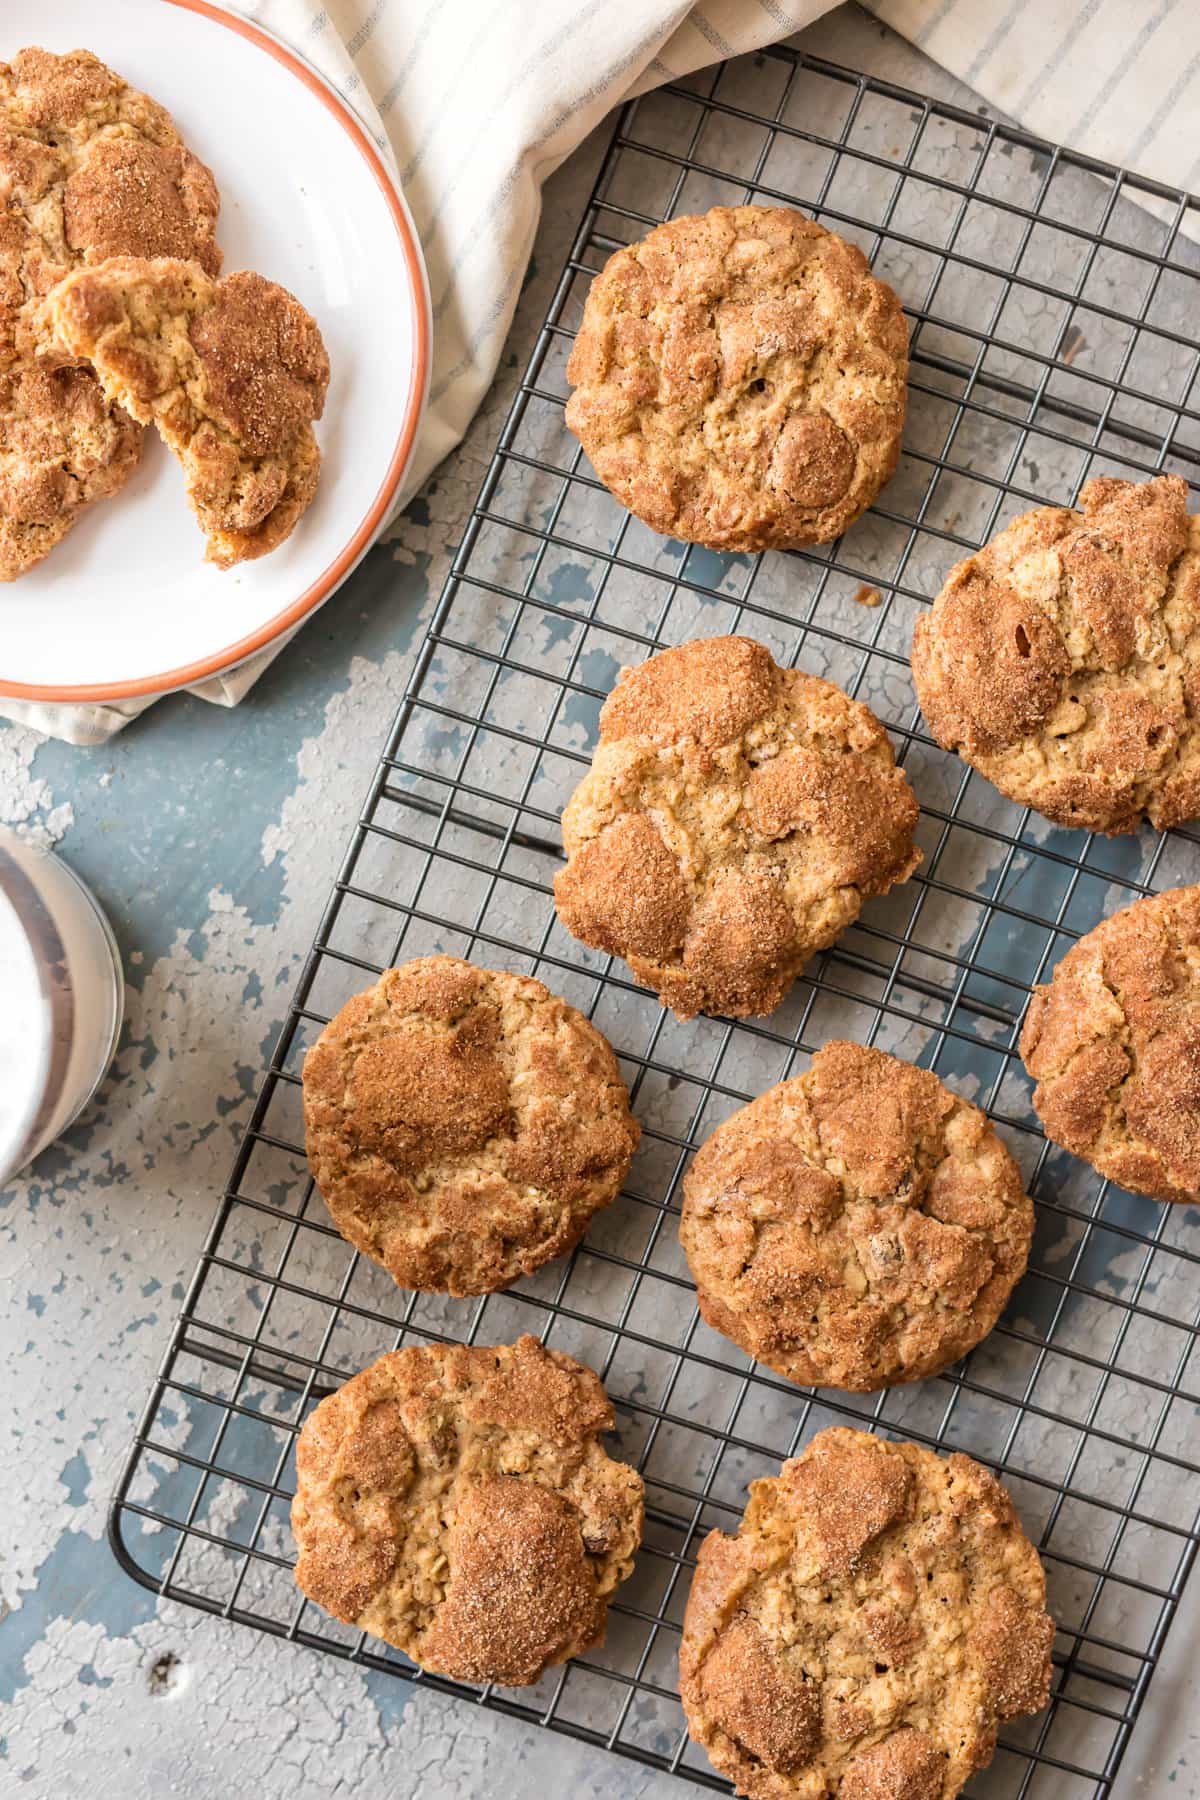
1063, 660
857, 1226
1113, 1042
879, 1612
739, 379
232, 372
457, 1502
735, 818
89, 168
463, 1125
61, 448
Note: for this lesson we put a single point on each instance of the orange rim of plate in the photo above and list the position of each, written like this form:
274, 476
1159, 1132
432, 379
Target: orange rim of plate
360, 540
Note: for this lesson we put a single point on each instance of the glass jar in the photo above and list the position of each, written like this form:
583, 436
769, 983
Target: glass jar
62, 999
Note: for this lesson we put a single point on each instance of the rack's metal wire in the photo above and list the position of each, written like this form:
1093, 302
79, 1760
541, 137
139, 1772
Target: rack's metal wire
1050, 300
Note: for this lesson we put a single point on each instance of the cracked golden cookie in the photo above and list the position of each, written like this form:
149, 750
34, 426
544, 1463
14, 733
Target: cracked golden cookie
857, 1226
740, 378
89, 169
232, 372
1063, 660
61, 447
1113, 1042
457, 1502
735, 818
464, 1124
879, 1612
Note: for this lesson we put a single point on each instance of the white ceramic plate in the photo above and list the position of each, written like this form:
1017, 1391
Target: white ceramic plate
126, 604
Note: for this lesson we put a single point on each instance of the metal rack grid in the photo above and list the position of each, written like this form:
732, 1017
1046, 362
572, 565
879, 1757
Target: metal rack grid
1050, 301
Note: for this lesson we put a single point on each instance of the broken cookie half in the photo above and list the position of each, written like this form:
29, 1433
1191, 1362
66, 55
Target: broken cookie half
232, 372
62, 446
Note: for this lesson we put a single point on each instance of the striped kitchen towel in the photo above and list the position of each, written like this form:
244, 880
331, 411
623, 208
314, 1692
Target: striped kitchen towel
479, 100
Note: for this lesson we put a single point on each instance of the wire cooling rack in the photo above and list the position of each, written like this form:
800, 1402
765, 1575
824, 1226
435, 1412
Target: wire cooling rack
1052, 303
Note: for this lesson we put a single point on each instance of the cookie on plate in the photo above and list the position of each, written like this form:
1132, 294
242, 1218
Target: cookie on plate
232, 372
61, 447
857, 1226
740, 379
1063, 660
464, 1124
1113, 1042
89, 168
878, 1613
735, 818
457, 1502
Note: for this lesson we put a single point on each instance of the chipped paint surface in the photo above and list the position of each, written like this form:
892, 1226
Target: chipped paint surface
212, 838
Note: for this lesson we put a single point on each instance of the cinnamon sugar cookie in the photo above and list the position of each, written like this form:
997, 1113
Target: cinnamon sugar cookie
1113, 1042
740, 379
879, 1612
1063, 660
735, 818
857, 1226
232, 373
464, 1124
458, 1503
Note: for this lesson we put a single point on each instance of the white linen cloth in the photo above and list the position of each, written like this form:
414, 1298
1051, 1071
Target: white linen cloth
476, 102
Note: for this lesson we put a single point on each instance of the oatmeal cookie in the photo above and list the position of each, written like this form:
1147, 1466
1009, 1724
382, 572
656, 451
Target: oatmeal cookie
89, 168
878, 1613
740, 379
464, 1124
457, 1502
232, 373
1113, 1042
734, 820
61, 447
1063, 660
857, 1226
